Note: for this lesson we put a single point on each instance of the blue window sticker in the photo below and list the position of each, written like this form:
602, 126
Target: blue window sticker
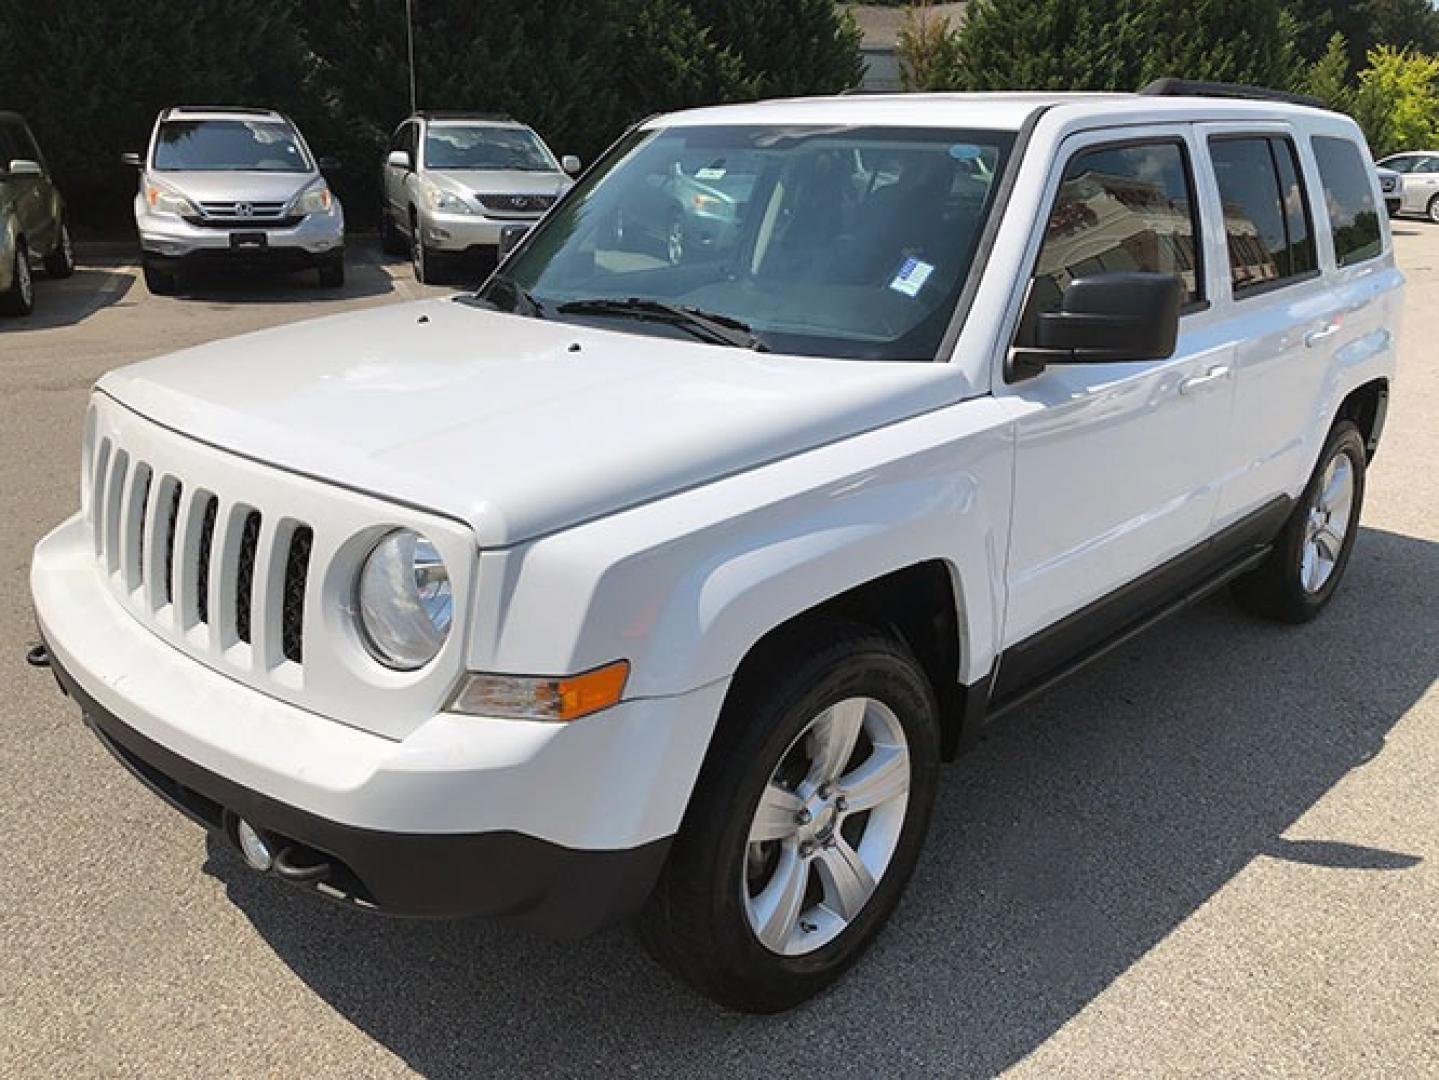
911, 276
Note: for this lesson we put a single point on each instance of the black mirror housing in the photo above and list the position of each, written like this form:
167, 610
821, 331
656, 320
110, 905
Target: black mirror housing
1106, 319
328, 164
132, 159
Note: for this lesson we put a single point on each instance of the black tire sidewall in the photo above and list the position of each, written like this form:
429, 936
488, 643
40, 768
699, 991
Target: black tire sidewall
745, 974
1344, 438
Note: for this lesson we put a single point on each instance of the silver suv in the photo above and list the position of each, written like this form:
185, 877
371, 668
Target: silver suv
459, 184
32, 218
234, 186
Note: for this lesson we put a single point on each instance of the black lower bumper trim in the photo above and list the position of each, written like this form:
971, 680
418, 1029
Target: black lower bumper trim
564, 892
268, 258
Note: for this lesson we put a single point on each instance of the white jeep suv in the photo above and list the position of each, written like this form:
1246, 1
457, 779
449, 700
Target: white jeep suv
634, 584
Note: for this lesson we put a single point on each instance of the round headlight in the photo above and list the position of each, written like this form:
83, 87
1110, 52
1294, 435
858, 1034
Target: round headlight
405, 601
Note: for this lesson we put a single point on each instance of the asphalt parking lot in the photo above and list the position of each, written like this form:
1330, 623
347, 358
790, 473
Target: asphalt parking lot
1216, 852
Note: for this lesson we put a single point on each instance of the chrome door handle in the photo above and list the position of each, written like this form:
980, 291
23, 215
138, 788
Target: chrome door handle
1195, 383
1319, 337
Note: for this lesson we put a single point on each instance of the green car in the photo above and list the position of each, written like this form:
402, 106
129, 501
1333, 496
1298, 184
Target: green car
32, 218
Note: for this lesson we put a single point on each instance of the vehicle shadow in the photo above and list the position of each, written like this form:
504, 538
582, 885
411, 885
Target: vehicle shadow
364, 276
1070, 843
70, 301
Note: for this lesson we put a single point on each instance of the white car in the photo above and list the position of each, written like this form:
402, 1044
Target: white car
234, 186
460, 185
1419, 181
632, 584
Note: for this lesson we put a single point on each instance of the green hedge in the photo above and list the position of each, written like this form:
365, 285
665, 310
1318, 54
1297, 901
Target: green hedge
90, 75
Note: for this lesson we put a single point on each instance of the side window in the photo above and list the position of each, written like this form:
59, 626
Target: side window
1119, 208
397, 140
412, 141
25, 144
1349, 198
9, 151
1403, 164
1266, 212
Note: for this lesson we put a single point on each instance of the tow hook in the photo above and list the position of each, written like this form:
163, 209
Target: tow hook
38, 655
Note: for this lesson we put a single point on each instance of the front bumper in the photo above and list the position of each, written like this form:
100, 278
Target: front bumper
1393, 203
457, 233
561, 826
166, 237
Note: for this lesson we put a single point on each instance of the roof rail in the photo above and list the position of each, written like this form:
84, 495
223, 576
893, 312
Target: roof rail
221, 108
463, 114
1189, 88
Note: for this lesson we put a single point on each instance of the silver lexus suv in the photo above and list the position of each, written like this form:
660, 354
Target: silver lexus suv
460, 184
234, 186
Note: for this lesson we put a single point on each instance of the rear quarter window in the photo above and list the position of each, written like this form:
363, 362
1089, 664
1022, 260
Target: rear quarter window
1349, 200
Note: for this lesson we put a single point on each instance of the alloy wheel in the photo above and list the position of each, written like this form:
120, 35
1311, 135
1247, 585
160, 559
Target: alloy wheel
826, 827
1328, 524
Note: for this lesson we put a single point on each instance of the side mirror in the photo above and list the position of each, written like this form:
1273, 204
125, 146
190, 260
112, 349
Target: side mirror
328, 164
400, 159
571, 164
132, 159
25, 167
1107, 319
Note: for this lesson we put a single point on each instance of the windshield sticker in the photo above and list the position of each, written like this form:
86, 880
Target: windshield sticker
911, 277
710, 173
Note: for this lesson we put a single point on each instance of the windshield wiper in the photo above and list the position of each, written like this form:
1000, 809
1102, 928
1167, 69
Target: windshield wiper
709, 326
524, 303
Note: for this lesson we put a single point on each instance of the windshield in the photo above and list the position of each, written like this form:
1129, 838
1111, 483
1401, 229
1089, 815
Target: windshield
835, 241
475, 146
218, 145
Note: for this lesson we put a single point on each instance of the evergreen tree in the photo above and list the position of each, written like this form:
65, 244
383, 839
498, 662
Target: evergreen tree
1365, 25
1239, 41
792, 46
1049, 45
1328, 77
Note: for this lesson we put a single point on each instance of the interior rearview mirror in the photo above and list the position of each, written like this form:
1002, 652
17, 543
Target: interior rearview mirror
400, 159
25, 167
1106, 319
570, 164
131, 159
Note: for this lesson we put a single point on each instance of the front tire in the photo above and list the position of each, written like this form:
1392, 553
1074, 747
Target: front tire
60, 263
332, 272
19, 298
1432, 210
805, 824
422, 256
160, 282
1303, 571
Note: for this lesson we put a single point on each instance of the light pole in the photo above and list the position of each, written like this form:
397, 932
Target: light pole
410, 37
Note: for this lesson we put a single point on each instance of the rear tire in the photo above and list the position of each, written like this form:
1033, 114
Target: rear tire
161, 282
1303, 571
19, 298
724, 916
60, 263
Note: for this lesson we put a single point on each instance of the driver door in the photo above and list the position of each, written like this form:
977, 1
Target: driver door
1117, 465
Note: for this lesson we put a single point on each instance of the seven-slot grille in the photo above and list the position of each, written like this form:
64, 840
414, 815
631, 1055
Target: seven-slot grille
213, 570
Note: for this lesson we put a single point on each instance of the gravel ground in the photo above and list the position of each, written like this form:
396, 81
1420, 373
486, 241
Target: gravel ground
1216, 852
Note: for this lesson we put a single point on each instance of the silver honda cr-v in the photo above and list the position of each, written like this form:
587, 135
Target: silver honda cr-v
234, 186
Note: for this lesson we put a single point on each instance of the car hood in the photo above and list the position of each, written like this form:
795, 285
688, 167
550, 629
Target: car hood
228, 186
517, 426
500, 181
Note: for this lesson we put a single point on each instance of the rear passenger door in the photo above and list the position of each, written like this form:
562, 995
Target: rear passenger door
1116, 465
1278, 308
1421, 185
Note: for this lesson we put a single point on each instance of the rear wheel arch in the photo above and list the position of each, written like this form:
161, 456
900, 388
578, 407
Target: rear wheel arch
1366, 407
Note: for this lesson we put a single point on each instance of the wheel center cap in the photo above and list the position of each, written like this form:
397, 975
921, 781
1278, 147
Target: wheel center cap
824, 817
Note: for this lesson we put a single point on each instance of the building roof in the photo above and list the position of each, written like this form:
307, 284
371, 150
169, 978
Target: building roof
880, 23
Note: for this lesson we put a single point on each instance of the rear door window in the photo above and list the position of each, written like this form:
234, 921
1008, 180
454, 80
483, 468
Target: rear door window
1266, 212
1349, 199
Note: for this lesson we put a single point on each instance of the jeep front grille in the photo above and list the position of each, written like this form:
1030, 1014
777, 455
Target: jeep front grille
188, 559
